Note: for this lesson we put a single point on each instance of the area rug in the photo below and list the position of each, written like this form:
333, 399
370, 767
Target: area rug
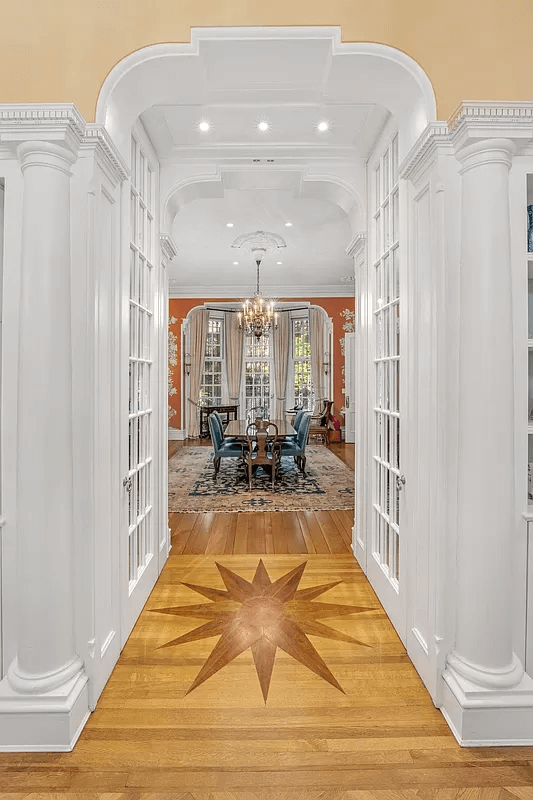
329, 484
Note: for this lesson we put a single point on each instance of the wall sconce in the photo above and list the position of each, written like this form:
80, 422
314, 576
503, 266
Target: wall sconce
187, 363
327, 363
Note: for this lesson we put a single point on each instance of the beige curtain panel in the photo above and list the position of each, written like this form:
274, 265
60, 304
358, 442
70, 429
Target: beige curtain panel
234, 355
282, 345
198, 323
316, 337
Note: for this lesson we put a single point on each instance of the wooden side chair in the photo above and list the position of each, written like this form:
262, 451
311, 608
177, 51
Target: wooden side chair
262, 450
319, 422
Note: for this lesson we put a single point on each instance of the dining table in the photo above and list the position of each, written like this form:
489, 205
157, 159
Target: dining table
236, 428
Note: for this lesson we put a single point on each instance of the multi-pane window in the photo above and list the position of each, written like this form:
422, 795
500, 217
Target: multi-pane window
301, 353
211, 387
386, 312
257, 372
141, 324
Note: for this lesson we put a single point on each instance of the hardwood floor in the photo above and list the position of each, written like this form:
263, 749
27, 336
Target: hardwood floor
266, 677
304, 532
154, 737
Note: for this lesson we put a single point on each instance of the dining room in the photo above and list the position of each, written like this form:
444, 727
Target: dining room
261, 453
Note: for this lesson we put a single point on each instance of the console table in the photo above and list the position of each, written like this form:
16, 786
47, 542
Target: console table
227, 412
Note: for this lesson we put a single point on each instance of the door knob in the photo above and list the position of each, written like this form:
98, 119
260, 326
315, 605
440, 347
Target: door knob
127, 484
400, 482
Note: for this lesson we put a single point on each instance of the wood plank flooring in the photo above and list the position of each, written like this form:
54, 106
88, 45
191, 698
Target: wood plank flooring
151, 738
305, 532
156, 735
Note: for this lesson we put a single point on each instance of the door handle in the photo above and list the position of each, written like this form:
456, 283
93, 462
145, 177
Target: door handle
400, 482
127, 484
347, 401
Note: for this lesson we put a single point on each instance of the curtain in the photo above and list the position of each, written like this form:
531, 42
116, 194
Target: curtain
282, 341
316, 337
234, 354
197, 337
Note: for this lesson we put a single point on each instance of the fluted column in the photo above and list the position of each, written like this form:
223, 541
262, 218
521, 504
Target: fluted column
46, 658
483, 652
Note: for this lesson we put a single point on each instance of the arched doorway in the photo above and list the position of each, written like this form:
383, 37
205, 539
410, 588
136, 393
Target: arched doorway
377, 102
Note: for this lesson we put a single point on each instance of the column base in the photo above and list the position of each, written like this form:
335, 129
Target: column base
481, 717
48, 722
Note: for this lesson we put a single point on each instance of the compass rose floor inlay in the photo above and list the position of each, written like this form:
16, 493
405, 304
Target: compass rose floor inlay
264, 615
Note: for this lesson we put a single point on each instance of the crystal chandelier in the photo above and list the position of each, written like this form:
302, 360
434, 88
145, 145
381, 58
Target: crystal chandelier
258, 315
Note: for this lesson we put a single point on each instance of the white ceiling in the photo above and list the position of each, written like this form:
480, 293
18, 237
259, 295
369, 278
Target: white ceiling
293, 83
315, 251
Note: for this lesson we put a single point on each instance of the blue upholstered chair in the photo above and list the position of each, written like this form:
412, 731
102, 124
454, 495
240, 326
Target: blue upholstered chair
298, 419
222, 448
296, 447
218, 418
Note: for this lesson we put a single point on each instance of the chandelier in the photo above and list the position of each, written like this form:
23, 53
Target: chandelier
258, 314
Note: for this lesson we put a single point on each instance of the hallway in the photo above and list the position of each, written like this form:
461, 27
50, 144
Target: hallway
377, 737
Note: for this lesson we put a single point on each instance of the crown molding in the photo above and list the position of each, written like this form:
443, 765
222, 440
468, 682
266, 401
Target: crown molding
433, 138
475, 120
96, 138
168, 246
357, 244
52, 122
236, 292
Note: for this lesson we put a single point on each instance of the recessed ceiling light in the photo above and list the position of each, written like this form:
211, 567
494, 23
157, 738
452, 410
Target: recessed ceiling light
263, 125
279, 262
288, 224
229, 224
204, 126
235, 263
323, 126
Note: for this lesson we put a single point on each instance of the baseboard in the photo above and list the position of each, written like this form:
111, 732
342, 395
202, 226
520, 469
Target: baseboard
175, 434
485, 718
45, 723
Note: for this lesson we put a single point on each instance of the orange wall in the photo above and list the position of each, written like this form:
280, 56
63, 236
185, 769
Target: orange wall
333, 306
61, 50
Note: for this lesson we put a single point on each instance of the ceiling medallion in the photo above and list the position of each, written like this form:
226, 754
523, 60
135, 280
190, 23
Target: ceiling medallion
258, 314
263, 615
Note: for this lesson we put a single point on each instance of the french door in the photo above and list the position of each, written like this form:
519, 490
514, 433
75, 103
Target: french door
386, 555
258, 380
139, 546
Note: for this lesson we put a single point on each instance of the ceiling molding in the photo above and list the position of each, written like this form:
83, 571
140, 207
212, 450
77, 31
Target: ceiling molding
236, 292
434, 136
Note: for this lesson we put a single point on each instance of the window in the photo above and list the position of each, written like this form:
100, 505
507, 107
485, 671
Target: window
304, 395
211, 386
257, 372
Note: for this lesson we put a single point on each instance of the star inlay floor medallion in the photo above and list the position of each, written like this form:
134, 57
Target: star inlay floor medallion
263, 615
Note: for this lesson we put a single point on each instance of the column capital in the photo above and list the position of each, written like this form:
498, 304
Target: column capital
168, 247
474, 121
35, 153
491, 150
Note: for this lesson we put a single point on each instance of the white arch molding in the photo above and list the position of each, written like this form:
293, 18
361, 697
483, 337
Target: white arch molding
161, 74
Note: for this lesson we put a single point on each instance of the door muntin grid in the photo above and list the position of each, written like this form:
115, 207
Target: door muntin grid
386, 314
304, 395
257, 373
141, 532
211, 386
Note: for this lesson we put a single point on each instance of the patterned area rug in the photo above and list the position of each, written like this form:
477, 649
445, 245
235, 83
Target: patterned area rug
329, 484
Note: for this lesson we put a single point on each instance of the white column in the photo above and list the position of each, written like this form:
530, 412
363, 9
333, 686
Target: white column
483, 652
46, 659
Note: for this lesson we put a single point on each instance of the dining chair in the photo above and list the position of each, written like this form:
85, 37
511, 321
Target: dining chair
222, 448
253, 413
218, 418
296, 447
262, 450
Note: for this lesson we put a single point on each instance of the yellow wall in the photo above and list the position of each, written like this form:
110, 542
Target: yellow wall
61, 50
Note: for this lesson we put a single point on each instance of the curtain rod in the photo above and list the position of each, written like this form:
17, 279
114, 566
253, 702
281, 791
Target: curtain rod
237, 310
